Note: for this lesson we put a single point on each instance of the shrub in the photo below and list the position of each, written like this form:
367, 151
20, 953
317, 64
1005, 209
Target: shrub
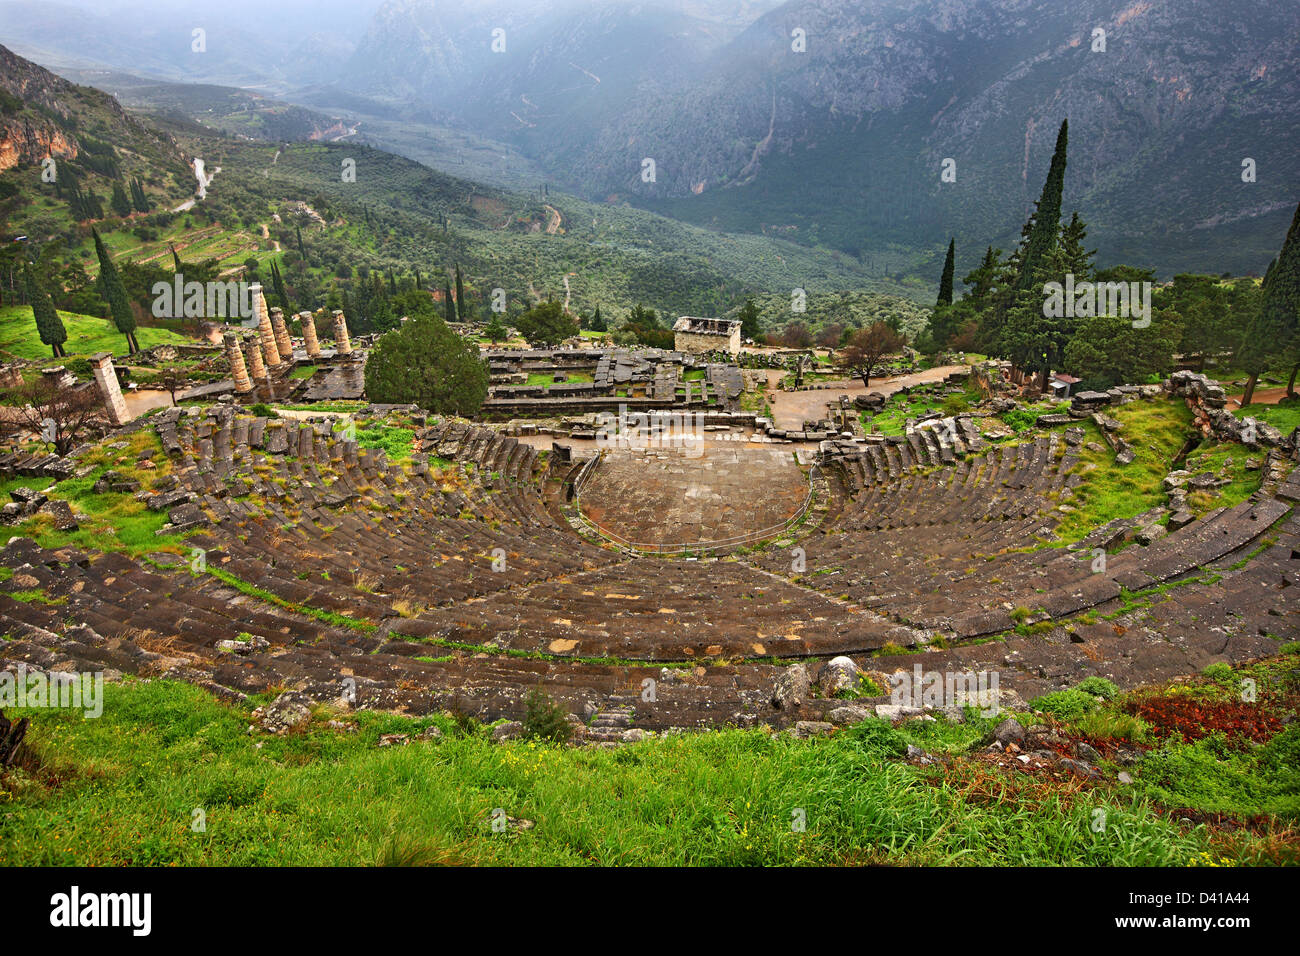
1065, 704
1218, 672
1098, 687
544, 719
954, 405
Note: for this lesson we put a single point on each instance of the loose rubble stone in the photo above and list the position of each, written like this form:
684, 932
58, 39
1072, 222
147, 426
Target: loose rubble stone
792, 688
287, 712
838, 674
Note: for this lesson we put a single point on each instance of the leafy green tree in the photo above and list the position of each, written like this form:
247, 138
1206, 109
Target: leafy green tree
1203, 305
424, 362
945, 280
1108, 350
598, 323
110, 284
48, 324
546, 324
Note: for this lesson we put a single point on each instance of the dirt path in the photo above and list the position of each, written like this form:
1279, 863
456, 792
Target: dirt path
1263, 396
553, 219
791, 409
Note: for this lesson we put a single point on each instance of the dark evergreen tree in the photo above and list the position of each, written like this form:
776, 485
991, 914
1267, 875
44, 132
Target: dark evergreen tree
426, 363
982, 282
120, 204
1272, 336
598, 323
1046, 219
277, 283
176, 259
750, 327
48, 324
138, 198
945, 280
461, 310
114, 293
449, 306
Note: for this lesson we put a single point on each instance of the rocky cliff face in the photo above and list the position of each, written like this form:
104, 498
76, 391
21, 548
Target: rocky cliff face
43, 115
23, 142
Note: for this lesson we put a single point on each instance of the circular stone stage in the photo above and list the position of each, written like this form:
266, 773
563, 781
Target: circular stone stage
674, 499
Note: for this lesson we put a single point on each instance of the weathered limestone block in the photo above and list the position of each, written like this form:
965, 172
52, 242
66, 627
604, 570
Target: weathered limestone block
277, 438
109, 389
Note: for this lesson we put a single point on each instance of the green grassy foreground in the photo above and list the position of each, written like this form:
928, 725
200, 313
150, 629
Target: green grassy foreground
123, 789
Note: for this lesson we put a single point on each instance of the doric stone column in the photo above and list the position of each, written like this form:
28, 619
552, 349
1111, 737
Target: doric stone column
271, 351
109, 389
283, 343
342, 344
238, 370
255, 363
309, 335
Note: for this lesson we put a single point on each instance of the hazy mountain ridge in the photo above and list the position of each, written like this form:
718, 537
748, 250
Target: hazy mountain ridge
842, 143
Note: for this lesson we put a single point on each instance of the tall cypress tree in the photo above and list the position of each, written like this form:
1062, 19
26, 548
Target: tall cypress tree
449, 309
1274, 332
120, 203
302, 250
176, 259
48, 324
460, 296
277, 283
115, 293
138, 198
1046, 220
945, 280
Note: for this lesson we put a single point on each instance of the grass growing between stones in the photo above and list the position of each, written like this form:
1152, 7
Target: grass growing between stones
123, 789
109, 521
1157, 430
1283, 416
1224, 460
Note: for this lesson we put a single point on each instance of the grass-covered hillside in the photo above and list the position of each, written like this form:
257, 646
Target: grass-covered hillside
87, 335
